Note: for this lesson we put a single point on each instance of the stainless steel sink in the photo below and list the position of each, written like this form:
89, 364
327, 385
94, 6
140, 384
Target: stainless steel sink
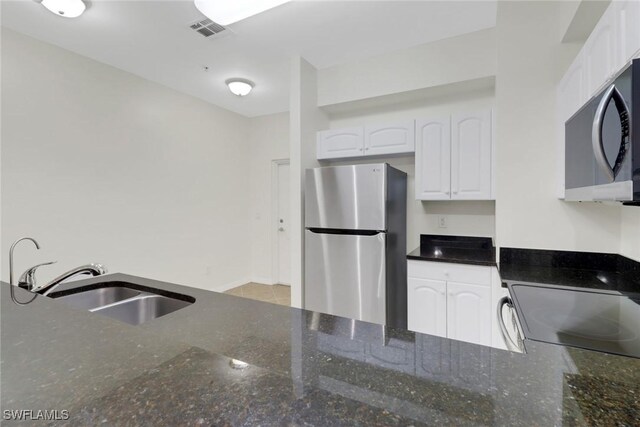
121, 301
99, 297
140, 309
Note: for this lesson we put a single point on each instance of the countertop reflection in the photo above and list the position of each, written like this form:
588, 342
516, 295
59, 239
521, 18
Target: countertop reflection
226, 360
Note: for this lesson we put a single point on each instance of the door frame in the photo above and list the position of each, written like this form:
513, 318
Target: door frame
275, 164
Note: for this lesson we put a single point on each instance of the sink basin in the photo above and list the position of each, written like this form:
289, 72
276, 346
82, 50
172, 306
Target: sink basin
98, 297
141, 309
124, 301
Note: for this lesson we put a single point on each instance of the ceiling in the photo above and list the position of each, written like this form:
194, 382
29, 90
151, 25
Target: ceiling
152, 39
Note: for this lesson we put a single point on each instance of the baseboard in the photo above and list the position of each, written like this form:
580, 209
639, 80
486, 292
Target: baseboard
230, 285
262, 280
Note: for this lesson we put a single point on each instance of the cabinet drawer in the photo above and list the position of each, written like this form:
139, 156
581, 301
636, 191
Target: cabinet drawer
474, 274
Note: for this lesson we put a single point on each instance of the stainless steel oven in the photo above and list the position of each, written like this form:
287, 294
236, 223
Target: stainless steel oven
596, 320
602, 148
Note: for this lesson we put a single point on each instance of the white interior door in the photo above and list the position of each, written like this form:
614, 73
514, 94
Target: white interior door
283, 274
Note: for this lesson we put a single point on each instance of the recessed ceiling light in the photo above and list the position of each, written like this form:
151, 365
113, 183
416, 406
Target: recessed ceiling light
240, 87
226, 12
66, 8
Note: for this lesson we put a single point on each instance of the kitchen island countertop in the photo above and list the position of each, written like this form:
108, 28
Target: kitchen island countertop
226, 360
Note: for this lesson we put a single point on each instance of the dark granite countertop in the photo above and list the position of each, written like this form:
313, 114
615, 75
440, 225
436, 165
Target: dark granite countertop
302, 368
455, 249
587, 270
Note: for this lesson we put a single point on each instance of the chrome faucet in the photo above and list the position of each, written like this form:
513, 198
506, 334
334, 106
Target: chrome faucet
11, 282
28, 278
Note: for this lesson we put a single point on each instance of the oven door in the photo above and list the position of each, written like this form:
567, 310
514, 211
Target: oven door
598, 146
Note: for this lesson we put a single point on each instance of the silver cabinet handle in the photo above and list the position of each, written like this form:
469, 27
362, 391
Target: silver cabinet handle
612, 93
511, 345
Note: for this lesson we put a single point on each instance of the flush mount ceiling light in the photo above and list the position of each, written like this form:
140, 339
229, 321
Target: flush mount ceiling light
66, 8
240, 87
226, 12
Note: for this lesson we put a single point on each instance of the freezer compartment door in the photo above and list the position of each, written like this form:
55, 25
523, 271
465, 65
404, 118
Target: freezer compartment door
345, 275
346, 197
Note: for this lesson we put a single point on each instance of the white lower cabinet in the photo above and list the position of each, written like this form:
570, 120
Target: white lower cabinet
469, 312
428, 306
450, 300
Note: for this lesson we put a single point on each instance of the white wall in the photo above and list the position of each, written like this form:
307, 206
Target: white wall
531, 61
305, 120
268, 141
471, 218
103, 166
467, 57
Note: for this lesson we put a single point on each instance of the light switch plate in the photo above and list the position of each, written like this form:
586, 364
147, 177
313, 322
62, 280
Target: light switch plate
442, 221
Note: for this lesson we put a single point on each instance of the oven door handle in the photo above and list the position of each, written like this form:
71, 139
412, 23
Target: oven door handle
506, 337
612, 93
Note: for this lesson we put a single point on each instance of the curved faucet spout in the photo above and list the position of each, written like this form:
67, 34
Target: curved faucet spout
11, 281
91, 269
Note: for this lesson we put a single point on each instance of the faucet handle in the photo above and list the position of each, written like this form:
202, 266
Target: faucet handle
29, 277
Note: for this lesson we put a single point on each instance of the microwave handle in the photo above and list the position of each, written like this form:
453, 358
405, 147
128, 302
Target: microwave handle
596, 132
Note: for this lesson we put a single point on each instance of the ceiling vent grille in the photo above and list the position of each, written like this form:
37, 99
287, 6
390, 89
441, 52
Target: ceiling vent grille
207, 27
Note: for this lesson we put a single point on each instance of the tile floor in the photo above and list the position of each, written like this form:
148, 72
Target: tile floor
276, 294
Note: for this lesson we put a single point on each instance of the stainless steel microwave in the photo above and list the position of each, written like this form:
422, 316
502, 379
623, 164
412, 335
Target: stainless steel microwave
602, 148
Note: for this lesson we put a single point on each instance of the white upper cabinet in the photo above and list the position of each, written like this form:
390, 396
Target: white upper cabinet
427, 306
340, 143
471, 156
601, 53
627, 16
433, 159
373, 140
389, 139
469, 313
571, 90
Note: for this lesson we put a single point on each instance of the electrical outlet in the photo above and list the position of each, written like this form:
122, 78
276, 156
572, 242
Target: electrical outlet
442, 221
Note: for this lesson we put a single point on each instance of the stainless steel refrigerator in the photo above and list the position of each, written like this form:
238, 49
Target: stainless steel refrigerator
355, 243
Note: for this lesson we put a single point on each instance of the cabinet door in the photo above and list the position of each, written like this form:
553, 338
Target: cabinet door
471, 156
433, 159
427, 306
389, 139
627, 15
469, 312
340, 143
600, 53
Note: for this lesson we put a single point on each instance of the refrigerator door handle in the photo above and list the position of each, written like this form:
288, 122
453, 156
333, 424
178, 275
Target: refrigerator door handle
345, 232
